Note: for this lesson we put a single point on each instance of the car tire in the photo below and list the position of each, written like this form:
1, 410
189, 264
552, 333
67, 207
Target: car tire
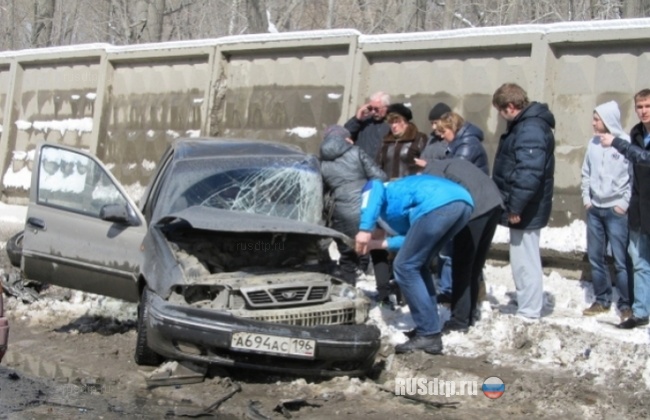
15, 249
144, 356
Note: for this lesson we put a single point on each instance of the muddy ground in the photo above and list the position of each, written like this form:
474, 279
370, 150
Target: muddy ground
82, 367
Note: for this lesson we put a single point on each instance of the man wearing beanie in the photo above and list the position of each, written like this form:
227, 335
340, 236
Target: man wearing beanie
436, 147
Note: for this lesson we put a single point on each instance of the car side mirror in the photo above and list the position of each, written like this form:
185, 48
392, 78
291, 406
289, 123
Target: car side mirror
115, 213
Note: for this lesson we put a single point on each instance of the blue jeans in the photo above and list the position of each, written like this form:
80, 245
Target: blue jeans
444, 264
603, 225
639, 250
424, 239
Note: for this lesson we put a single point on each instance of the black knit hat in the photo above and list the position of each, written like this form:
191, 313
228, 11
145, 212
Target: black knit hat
400, 109
438, 110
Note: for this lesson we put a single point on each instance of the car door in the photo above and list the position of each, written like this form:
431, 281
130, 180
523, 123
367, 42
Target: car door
82, 230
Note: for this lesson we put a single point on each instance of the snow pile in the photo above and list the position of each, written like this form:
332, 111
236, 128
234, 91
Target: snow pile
62, 306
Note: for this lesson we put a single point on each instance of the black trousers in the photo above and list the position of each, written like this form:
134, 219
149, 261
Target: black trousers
471, 246
382, 268
348, 261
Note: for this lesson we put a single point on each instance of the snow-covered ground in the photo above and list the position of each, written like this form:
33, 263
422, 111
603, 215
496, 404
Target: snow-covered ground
562, 339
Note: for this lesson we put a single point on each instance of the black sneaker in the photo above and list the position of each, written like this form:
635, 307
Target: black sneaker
633, 322
431, 344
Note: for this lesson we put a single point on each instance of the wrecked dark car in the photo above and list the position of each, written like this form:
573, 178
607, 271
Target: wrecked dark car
225, 254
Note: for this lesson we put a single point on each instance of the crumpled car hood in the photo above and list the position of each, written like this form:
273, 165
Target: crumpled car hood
209, 218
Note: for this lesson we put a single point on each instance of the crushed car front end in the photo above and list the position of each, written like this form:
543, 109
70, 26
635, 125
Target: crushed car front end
202, 335
253, 291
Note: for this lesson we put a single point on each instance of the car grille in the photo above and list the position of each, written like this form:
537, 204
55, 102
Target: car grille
308, 319
285, 295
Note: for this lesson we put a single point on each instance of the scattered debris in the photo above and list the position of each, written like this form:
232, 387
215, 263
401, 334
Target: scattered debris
176, 373
182, 412
14, 285
435, 404
56, 404
253, 411
294, 404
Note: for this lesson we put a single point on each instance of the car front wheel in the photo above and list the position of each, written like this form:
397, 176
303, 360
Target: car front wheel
143, 354
15, 249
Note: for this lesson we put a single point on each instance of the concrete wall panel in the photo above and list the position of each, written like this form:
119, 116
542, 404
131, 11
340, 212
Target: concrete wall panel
285, 97
53, 103
148, 105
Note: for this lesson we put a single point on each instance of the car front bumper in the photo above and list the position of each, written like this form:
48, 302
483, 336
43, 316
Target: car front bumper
204, 336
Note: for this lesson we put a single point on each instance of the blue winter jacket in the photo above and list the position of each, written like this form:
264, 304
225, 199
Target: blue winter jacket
468, 145
524, 167
401, 202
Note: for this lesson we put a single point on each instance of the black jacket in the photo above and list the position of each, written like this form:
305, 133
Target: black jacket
395, 152
436, 148
484, 192
346, 169
468, 145
524, 166
367, 134
639, 155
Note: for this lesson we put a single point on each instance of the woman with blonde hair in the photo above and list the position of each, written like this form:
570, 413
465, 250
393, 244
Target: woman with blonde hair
464, 140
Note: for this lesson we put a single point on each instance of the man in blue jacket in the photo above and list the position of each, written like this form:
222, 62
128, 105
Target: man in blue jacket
423, 212
524, 166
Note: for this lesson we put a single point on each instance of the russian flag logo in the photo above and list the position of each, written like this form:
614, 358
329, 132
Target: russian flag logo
493, 387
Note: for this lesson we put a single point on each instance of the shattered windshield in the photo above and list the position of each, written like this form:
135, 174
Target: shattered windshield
283, 186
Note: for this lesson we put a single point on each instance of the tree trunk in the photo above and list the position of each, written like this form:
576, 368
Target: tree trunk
450, 9
12, 25
42, 27
420, 15
155, 13
256, 14
330, 13
636, 8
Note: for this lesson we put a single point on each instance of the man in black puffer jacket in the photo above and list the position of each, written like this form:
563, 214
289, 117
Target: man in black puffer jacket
523, 171
346, 169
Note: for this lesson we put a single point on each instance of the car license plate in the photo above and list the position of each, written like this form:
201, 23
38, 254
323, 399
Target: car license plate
273, 344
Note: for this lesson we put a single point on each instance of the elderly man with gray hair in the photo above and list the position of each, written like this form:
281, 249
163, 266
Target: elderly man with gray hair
368, 126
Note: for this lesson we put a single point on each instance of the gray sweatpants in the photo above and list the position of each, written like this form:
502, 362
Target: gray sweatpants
527, 272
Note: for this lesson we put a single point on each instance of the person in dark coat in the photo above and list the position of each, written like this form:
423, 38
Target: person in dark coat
436, 147
404, 139
464, 140
472, 243
524, 168
401, 145
346, 169
368, 126
460, 140
638, 153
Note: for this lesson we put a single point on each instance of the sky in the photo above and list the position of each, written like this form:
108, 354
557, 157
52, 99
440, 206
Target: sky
562, 340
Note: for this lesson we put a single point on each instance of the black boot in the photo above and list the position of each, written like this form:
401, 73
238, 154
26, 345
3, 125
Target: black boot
431, 344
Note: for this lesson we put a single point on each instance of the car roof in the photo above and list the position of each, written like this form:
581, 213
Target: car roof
203, 147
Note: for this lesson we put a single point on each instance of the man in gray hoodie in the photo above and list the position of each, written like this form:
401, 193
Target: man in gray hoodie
606, 196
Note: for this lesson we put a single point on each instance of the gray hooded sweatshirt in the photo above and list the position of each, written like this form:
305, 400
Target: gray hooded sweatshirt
605, 172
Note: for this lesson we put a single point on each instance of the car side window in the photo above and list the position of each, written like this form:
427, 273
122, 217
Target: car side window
74, 182
152, 195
